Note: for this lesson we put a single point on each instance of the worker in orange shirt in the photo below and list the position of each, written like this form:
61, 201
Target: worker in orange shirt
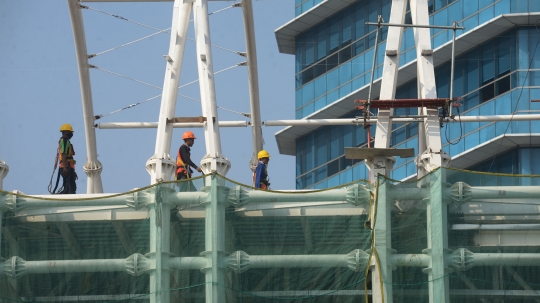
183, 160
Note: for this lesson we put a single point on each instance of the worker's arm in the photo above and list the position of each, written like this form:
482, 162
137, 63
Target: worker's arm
187, 159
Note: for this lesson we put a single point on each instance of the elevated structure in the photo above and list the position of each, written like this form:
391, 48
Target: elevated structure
450, 236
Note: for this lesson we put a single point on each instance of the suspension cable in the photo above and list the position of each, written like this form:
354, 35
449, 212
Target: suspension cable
157, 87
126, 44
159, 31
225, 69
125, 77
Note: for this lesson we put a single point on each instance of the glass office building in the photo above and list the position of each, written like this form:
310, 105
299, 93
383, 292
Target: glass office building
496, 70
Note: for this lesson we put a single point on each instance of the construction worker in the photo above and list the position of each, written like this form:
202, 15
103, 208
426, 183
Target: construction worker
67, 163
261, 174
183, 159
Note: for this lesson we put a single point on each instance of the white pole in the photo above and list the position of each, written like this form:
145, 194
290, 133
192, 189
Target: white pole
253, 77
92, 167
319, 122
160, 165
128, 125
213, 161
72, 266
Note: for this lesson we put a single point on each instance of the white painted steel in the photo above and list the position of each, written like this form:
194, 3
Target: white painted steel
410, 260
180, 263
431, 157
390, 72
4, 170
161, 165
214, 240
73, 266
92, 167
130, 125
321, 122
183, 198
523, 227
383, 237
415, 25
253, 78
354, 195
291, 261
213, 161
159, 248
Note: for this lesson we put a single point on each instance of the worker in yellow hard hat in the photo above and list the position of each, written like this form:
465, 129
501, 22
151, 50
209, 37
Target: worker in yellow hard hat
184, 163
261, 173
67, 163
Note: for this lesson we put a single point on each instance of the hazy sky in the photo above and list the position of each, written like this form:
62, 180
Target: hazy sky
39, 88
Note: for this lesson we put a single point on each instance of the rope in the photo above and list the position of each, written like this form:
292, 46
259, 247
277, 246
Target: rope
159, 31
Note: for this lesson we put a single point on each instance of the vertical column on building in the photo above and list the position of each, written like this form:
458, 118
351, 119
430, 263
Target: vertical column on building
160, 221
382, 164
382, 276
431, 158
214, 227
437, 238
160, 165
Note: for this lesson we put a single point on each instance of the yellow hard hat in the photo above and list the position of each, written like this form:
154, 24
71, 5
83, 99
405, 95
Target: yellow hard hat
66, 127
263, 154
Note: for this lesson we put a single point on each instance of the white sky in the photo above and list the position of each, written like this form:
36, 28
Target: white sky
39, 89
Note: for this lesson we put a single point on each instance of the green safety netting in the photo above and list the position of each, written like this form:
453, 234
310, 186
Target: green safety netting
452, 235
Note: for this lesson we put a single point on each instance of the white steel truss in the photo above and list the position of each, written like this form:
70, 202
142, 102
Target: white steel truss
431, 155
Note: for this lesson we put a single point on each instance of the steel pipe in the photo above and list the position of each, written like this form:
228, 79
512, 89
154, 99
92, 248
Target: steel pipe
130, 125
92, 167
72, 266
298, 261
183, 198
355, 195
502, 192
44, 201
415, 25
410, 260
253, 77
397, 119
179, 263
506, 259
496, 227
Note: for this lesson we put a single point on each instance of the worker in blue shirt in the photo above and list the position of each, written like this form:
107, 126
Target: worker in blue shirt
261, 174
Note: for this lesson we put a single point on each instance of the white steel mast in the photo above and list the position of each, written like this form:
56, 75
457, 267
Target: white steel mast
92, 167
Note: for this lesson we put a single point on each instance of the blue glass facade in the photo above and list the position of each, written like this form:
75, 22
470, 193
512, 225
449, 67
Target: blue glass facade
492, 78
334, 58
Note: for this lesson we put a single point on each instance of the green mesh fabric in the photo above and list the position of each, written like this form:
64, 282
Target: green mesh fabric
453, 235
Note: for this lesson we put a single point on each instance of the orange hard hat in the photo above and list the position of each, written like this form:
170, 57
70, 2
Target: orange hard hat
188, 135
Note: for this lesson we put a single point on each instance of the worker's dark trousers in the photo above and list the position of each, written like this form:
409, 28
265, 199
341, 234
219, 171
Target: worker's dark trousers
70, 187
186, 184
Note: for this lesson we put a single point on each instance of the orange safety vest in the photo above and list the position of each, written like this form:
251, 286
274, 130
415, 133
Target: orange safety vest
181, 166
70, 154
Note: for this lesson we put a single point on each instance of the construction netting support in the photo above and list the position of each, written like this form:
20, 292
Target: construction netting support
452, 236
